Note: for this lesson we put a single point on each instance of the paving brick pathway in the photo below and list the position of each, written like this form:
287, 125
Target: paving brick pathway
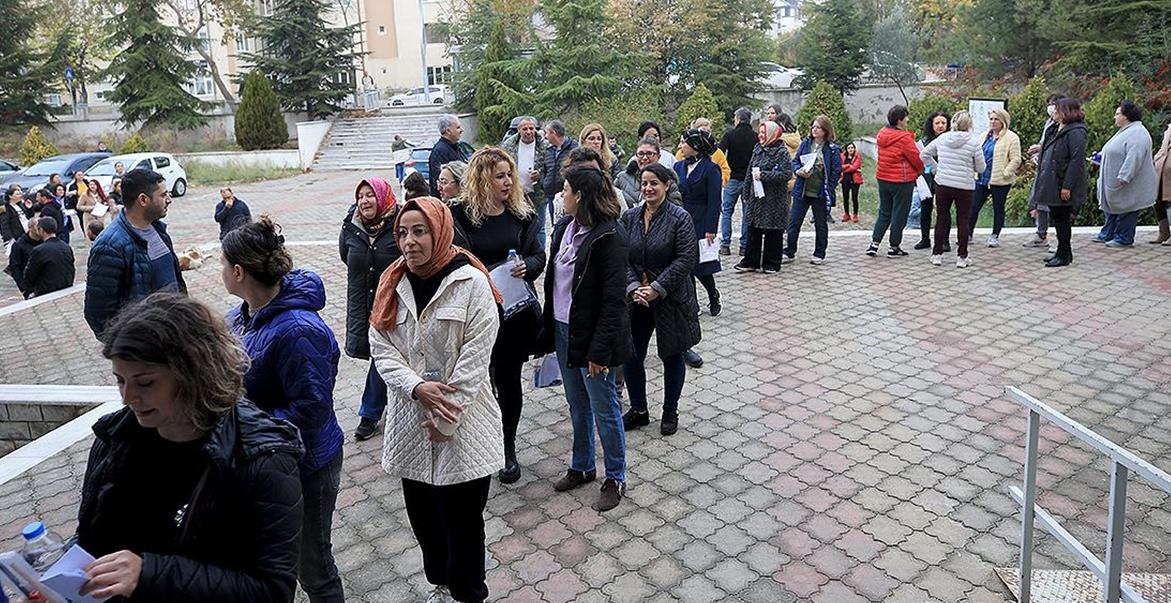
847, 439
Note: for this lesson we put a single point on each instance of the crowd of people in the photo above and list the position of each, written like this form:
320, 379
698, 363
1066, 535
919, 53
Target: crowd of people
230, 433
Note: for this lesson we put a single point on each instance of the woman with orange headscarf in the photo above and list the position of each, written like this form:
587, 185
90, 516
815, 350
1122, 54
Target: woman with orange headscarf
434, 322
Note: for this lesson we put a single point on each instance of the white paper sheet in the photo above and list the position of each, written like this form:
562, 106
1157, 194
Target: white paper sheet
808, 160
708, 252
67, 576
515, 291
758, 189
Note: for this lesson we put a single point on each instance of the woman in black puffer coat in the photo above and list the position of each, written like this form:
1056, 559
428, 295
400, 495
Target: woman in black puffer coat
191, 493
367, 248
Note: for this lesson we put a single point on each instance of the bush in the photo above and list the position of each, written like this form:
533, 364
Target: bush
134, 144
701, 103
621, 116
825, 100
259, 122
1016, 208
1100, 110
1027, 109
926, 105
233, 172
36, 147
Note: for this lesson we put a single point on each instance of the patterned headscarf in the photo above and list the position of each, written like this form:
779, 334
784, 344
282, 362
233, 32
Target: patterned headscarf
385, 204
701, 140
772, 132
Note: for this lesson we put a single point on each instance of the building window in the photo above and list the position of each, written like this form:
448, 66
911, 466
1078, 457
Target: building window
201, 83
204, 39
265, 8
439, 75
54, 100
382, 30
436, 33
243, 44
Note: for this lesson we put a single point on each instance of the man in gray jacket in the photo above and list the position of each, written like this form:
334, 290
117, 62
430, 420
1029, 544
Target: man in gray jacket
528, 148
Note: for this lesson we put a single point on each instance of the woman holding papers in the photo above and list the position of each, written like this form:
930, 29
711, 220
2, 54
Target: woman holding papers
662, 255
818, 167
700, 183
191, 492
434, 322
766, 202
492, 219
587, 323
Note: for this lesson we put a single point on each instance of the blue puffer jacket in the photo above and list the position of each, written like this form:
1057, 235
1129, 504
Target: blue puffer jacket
119, 271
831, 157
294, 364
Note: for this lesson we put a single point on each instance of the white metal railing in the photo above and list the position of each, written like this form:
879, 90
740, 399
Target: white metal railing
1124, 462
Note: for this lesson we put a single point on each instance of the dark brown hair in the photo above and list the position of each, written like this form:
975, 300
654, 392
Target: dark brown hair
258, 248
414, 185
177, 332
1069, 110
827, 127
597, 200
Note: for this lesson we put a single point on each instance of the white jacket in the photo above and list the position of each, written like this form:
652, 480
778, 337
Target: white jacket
957, 159
454, 336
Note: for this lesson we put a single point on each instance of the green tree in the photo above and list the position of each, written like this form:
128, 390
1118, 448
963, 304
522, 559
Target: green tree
259, 122
701, 103
471, 31
150, 71
134, 144
193, 16
22, 70
825, 100
1100, 37
1100, 110
893, 47
927, 104
307, 62
1007, 36
36, 147
498, 96
832, 47
621, 115
1027, 108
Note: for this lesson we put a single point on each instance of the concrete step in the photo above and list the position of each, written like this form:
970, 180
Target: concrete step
364, 143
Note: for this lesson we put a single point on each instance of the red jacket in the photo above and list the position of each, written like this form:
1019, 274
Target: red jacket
852, 170
898, 156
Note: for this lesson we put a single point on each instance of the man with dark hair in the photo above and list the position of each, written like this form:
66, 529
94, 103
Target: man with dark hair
93, 230
134, 256
231, 213
22, 249
49, 208
50, 265
737, 143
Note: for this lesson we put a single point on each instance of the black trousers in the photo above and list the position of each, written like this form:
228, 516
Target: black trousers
505, 374
764, 248
850, 191
1062, 218
925, 206
448, 522
709, 284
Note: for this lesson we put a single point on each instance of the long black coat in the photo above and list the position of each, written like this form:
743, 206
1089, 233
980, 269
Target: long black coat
599, 320
50, 268
664, 256
10, 226
770, 212
239, 539
1063, 165
18, 258
365, 261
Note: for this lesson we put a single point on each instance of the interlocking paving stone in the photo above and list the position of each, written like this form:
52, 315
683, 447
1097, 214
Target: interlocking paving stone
846, 440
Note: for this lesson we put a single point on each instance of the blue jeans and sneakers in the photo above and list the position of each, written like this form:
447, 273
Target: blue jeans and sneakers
373, 404
593, 401
1118, 230
801, 207
731, 195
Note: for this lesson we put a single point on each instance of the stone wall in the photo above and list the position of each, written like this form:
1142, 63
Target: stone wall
22, 423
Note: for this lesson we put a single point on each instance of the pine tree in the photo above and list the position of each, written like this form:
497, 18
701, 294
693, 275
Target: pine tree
150, 71
308, 63
36, 147
1028, 111
259, 122
825, 100
497, 97
23, 73
832, 46
701, 103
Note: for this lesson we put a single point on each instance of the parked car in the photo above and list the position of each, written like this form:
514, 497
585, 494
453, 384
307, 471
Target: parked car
8, 170
440, 95
163, 163
419, 160
36, 176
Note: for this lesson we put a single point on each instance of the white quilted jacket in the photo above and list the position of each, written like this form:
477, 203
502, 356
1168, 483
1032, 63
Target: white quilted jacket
453, 335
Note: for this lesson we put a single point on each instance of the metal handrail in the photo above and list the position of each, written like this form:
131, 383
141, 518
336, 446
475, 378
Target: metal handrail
1110, 570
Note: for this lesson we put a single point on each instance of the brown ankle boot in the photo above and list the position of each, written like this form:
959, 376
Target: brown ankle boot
1164, 233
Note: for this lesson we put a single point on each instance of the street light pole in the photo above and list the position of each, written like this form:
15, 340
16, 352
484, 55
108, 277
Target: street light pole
423, 53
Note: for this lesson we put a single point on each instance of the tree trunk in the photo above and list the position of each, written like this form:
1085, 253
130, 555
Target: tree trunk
229, 98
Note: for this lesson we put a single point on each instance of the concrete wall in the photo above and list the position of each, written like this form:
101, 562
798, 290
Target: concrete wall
88, 131
868, 104
281, 158
23, 423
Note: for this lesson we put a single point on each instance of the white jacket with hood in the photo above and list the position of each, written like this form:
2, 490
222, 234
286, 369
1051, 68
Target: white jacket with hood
957, 159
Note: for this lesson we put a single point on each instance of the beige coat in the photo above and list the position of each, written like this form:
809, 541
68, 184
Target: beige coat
1163, 166
454, 336
1006, 158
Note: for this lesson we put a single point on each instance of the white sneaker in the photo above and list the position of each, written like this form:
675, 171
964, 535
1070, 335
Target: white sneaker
440, 595
937, 260
993, 241
816, 261
963, 262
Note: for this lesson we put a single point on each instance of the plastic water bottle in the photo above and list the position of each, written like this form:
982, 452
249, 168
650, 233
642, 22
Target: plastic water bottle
513, 258
41, 547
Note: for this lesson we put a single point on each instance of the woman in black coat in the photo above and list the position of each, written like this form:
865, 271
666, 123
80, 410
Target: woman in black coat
700, 183
1062, 184
587, 323
191, 493
367, 248
662, 256
11, 228
492, 219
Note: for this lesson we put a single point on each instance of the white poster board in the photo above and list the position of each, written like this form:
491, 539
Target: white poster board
979, 107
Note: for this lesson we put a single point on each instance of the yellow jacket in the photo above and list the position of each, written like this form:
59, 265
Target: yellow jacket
1006, 159
719, 159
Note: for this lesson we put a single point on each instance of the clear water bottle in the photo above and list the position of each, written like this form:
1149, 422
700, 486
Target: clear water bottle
41, 547
513, 258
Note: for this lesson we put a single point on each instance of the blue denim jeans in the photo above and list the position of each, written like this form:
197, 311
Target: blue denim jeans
317, 572
797, 214
731, 196
1119, 227
980, 196
592, 401
374, 396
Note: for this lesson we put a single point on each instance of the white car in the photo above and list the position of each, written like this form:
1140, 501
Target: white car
440, 95
163, 163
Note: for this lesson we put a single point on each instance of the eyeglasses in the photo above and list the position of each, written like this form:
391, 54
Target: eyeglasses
646, 154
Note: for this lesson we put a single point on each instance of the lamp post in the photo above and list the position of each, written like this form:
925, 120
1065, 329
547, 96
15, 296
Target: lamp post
423, 53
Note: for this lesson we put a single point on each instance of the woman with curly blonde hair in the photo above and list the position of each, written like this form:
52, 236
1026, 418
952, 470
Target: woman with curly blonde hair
593, 136
494, 220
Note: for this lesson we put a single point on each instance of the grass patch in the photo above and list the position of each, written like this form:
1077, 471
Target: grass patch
200, 173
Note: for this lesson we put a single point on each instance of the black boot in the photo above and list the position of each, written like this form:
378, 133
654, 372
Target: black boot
510, 474
713, 304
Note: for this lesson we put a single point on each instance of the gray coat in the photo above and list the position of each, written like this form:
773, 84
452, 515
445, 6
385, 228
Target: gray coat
770, 212
956, 157
1063, 165
510, 145
630, 183
664, 257
1127, 181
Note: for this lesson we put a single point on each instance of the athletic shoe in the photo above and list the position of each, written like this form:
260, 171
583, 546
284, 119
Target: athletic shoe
366, 429
742, 267
786, 259
993, 241
895, 252
872, 250
816, 261
1116, 244
963, 262
937, 260
1036, 241
770, 270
